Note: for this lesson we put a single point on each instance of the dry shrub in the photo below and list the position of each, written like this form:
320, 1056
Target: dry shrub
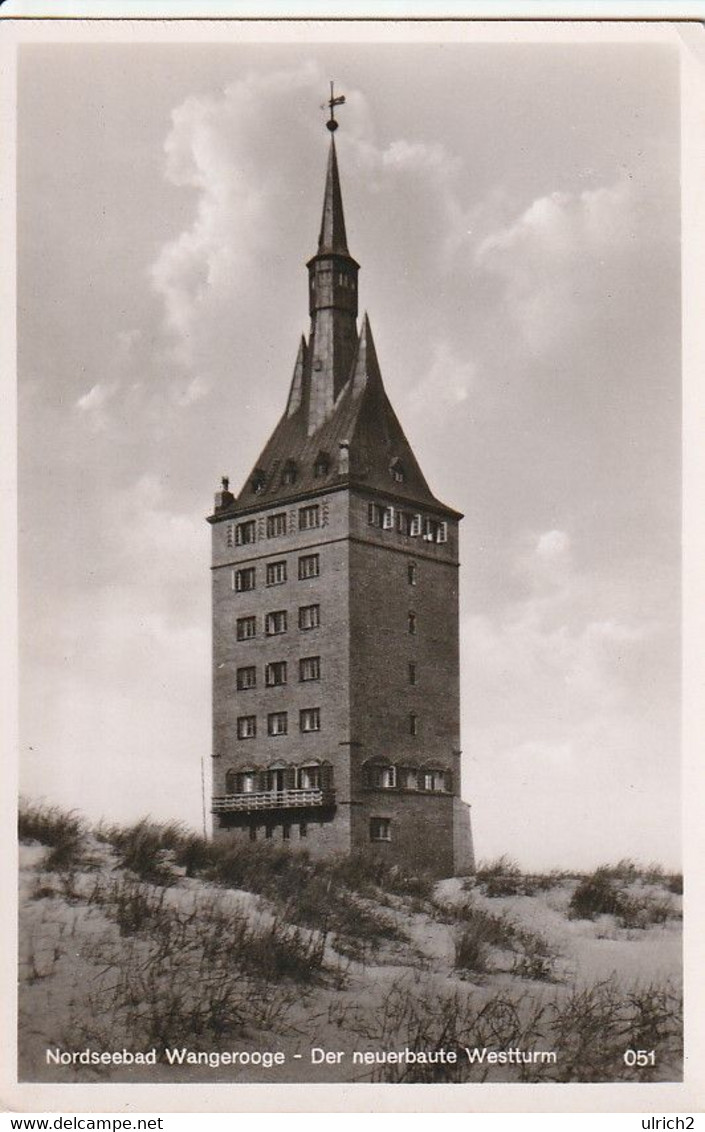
589, 1028
481, 933
65, 834
601, 893
180, 975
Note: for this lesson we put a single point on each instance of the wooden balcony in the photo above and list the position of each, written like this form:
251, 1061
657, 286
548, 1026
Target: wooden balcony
272, 800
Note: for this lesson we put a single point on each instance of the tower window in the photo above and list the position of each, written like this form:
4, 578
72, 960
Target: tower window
259, 480
412, 623
413, 724
290, 473
397, 471
244, 580
388, 777
246, 628
275, 779
309, 616
275, 623
410, 779
308, 778
243, 782
379, 516
276, 525
380, 829
412, 673
381, 776
309, 517
276, 573
277, 723
310, 719
310, 668
246, 678
275, 674
408, 524
303, 829
247, 727
245, 533
435, 780
321, 465
411, 573
286, 832
309, 566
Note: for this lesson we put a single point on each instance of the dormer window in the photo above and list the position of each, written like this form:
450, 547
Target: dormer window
290, 473
396, 469
321, 465
259, 479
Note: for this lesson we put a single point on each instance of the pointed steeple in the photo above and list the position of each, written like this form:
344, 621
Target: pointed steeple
366, 372
332, 305
296, 390
332, 237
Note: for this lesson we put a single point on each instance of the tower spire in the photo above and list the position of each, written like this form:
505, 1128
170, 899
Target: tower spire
332, 296
332, 236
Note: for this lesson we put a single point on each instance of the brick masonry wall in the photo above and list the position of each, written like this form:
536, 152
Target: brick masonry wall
381, 695
421, 829
364, 694
329, 641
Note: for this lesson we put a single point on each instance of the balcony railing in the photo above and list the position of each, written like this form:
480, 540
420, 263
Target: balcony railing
272, 800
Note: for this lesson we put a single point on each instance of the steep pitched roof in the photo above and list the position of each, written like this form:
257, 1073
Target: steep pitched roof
363, 424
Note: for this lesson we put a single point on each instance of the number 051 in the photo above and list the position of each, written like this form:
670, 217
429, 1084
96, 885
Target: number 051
639, 1057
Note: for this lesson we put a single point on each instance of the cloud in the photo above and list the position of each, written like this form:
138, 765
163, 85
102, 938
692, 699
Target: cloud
444, 386
115, 700
576, 263
568, 655
217, 146
404, 156
96, 397
553, 544
567, 692
94, 404
548, 563
194, 391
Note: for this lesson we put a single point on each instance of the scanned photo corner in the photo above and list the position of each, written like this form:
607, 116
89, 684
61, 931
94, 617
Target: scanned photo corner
368, 770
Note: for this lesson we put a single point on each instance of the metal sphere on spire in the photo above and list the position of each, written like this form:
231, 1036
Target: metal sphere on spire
332, 102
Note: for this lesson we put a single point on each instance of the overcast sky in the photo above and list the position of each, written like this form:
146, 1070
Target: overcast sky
515, 210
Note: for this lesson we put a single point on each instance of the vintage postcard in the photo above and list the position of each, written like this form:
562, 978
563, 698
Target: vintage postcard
354, 495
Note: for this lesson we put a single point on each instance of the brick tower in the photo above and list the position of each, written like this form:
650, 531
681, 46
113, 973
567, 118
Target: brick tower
335, 612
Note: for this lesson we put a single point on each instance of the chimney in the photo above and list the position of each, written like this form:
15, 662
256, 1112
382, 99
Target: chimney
224, 498
344, 458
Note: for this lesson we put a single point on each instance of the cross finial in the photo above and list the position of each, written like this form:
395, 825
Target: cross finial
333, 101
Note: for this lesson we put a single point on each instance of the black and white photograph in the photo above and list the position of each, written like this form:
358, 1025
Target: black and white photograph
349, 482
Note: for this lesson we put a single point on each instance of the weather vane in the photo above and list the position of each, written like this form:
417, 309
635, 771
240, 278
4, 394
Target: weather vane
331, 104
